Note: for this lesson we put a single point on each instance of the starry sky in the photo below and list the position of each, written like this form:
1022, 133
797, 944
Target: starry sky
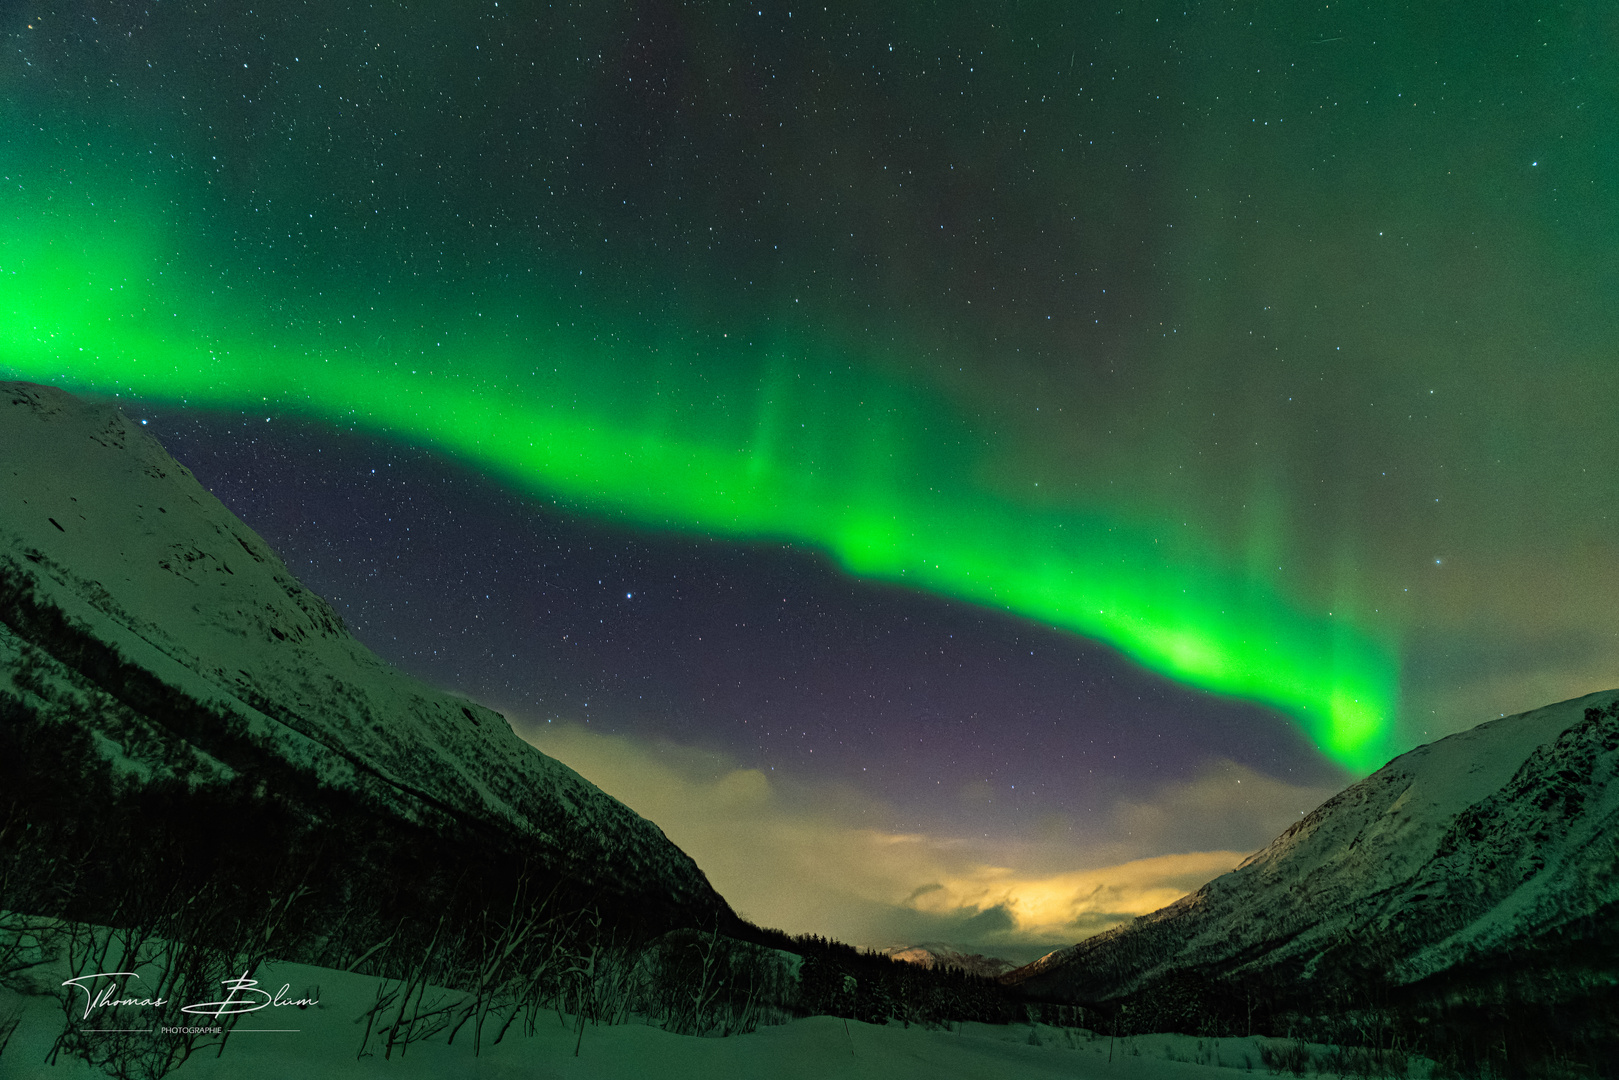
1043, 439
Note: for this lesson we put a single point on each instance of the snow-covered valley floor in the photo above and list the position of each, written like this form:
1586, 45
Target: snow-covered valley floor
324, 1041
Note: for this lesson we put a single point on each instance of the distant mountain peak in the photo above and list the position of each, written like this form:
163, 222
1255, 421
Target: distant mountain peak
935, 954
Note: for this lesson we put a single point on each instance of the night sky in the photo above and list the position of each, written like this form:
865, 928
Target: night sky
991, 431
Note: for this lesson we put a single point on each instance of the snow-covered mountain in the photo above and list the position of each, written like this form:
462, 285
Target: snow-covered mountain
1478, 872
136, 608
938, 954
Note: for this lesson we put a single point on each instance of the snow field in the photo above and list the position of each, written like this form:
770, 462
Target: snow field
324, 1040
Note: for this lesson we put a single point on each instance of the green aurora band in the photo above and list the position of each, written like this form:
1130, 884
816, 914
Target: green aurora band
768, 433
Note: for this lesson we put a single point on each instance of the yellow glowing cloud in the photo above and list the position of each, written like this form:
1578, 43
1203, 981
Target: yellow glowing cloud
821, 860
1079, 903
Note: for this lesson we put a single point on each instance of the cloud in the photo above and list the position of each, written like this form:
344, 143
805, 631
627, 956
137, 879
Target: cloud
1227, 805
1458, 680
827, 860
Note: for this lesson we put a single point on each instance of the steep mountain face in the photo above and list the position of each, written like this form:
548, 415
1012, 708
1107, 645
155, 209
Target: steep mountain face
1476, 875
169, 688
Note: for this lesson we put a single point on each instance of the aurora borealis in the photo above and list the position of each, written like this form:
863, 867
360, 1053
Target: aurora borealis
1271, 346
770, 439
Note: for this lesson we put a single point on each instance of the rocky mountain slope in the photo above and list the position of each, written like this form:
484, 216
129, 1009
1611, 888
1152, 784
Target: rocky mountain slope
176, 707
1474, 880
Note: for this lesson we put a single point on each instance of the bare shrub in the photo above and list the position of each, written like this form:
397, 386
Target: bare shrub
710, 984
1286, 1055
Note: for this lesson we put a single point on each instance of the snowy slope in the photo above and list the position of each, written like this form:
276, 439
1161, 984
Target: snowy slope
323, 1041
106, 541
1493, 850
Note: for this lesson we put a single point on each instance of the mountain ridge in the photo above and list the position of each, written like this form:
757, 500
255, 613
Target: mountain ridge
135, 604
1476, 875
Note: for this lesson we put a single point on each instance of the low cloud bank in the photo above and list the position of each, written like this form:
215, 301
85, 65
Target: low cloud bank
825, 860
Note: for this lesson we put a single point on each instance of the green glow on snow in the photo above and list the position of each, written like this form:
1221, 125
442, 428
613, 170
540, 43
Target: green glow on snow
763, 434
